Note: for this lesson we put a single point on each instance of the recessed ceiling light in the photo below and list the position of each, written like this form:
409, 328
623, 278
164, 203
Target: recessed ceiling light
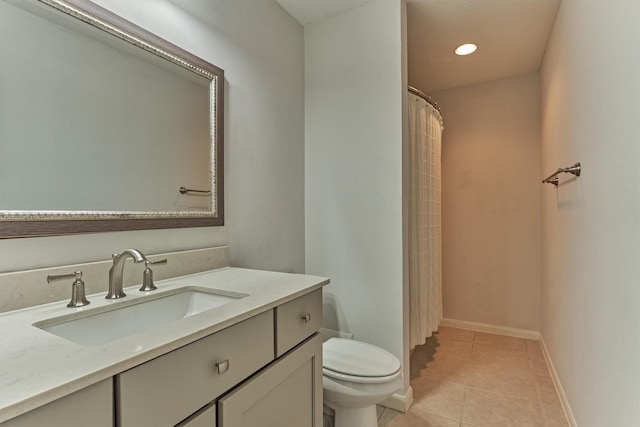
466, 49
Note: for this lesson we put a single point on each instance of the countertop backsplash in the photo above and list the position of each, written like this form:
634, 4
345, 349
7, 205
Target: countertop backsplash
21, 289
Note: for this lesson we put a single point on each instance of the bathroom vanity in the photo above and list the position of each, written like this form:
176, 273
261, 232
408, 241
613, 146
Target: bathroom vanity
253, 361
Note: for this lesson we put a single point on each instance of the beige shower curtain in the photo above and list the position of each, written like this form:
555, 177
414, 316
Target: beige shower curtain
425, 236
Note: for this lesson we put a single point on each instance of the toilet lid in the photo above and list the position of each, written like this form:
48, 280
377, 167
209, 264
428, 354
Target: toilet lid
357, 358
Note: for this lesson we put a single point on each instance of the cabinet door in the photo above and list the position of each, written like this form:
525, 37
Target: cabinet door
287, 393
205, 417
90, 406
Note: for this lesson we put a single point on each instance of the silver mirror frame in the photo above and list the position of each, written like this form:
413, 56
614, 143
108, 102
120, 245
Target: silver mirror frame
15, 223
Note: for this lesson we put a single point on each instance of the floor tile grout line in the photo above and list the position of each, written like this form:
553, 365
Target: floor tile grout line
440, 415
464, 403
534, 401
543, 418
509, 396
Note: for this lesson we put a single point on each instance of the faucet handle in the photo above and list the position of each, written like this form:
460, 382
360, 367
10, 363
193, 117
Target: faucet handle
147, 275
78, 298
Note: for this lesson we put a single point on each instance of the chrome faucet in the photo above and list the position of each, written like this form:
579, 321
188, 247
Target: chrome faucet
117, 269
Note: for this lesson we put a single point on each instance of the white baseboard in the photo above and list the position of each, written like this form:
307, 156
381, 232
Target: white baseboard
400, 402
492, 329
556, 382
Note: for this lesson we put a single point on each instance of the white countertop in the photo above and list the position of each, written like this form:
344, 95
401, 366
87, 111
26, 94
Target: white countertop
37, 367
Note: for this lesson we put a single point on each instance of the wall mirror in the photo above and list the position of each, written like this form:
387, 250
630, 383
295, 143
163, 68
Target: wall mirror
102, 123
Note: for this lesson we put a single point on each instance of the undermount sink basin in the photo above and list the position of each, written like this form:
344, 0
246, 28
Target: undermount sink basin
125, 318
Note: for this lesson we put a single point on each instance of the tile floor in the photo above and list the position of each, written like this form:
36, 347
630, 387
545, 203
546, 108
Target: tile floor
463, 378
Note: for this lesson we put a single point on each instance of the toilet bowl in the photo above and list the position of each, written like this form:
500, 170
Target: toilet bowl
355, 377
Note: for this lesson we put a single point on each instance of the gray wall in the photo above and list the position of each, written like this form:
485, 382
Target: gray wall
355, 93
591, 225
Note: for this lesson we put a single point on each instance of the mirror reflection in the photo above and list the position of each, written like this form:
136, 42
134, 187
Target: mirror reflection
92, 125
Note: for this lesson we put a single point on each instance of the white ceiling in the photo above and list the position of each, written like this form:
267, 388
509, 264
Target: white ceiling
511, 36
309, 11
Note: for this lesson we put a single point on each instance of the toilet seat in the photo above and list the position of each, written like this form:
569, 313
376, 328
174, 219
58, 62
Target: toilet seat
356, 379
359, 362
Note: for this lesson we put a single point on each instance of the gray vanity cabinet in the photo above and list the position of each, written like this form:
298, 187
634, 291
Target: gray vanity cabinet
93, 405
265, 371
168, 389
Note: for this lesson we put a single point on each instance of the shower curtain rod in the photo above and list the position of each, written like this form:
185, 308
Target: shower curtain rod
424, 96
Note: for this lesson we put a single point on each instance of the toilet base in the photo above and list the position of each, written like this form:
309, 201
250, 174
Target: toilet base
354, 417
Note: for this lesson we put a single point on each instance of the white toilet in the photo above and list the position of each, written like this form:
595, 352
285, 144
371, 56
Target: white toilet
355, 377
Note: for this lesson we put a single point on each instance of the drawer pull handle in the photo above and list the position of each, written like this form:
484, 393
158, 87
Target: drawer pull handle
222, 367
307, 318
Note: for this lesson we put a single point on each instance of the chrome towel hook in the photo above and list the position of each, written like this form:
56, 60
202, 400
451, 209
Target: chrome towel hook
185, 190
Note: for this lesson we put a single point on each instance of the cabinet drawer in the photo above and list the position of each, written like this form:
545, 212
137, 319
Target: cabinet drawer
297, 320
168, 389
